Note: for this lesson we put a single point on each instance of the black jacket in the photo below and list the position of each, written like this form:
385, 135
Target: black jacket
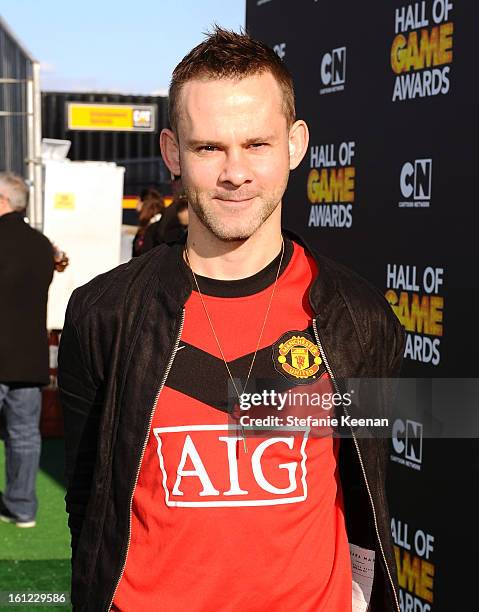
119, 340
26, 271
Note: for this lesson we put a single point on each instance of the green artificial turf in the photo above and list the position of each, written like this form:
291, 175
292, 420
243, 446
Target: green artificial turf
38, 559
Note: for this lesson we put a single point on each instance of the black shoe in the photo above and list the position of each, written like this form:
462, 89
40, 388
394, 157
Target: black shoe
7, 517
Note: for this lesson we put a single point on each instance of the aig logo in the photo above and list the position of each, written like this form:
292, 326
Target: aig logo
407, 443
415, 182
273, 473
333, 70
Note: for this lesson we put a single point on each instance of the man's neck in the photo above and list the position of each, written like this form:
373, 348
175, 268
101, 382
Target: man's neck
224, 260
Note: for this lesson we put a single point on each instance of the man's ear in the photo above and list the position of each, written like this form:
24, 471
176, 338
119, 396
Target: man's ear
170, 151
298, 143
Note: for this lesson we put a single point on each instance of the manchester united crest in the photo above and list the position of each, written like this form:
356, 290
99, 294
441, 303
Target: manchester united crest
297, 357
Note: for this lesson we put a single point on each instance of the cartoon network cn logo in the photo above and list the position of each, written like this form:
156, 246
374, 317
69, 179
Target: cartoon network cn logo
280, 50
407, 443
333, 71
415, 183
199, 467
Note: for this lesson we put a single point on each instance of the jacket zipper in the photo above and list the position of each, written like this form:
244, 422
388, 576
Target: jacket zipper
145, 442
333, 380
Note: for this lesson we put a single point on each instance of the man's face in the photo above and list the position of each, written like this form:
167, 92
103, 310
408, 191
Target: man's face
233, 152
4, 205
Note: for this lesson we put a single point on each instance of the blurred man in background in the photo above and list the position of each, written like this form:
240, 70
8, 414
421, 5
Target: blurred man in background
26, 271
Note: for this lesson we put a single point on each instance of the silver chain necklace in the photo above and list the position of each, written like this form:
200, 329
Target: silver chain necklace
187, 259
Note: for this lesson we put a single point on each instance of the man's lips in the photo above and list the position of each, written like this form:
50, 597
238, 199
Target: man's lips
235, 200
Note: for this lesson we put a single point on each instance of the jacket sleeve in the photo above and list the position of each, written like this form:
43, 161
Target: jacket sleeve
78, 397
398, 343
388, 362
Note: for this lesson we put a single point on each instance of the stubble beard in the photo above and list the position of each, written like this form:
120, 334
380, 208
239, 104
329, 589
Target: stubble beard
231, 231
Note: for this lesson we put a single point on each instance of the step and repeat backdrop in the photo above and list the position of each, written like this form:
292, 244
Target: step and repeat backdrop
388, 187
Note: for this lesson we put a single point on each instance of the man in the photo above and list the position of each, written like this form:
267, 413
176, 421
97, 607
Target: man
173, 502
26, 270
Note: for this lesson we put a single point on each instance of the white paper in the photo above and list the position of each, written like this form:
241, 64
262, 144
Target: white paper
362, 564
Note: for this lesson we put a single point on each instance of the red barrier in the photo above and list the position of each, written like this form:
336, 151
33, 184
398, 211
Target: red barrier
51, 420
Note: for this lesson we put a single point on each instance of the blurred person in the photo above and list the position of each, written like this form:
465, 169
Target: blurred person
150, 207
170, 228
140, 198
26, 270
170, 506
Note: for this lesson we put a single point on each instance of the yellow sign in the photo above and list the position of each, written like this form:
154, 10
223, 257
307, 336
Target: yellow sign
111, 117
64, 201
130, 202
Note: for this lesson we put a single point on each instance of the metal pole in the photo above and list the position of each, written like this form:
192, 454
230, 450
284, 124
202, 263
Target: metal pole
30, 159
37, 147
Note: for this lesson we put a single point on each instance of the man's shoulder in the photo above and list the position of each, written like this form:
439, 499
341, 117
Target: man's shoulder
377, 327
39, 240
354, 287
22, 245
366, 304
15, 228
360, 295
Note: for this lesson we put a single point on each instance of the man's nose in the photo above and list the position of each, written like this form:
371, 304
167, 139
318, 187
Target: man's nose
236, 169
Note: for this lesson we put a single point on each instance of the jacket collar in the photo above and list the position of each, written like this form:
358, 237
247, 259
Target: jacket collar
175, 285
323, 292
12, 216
